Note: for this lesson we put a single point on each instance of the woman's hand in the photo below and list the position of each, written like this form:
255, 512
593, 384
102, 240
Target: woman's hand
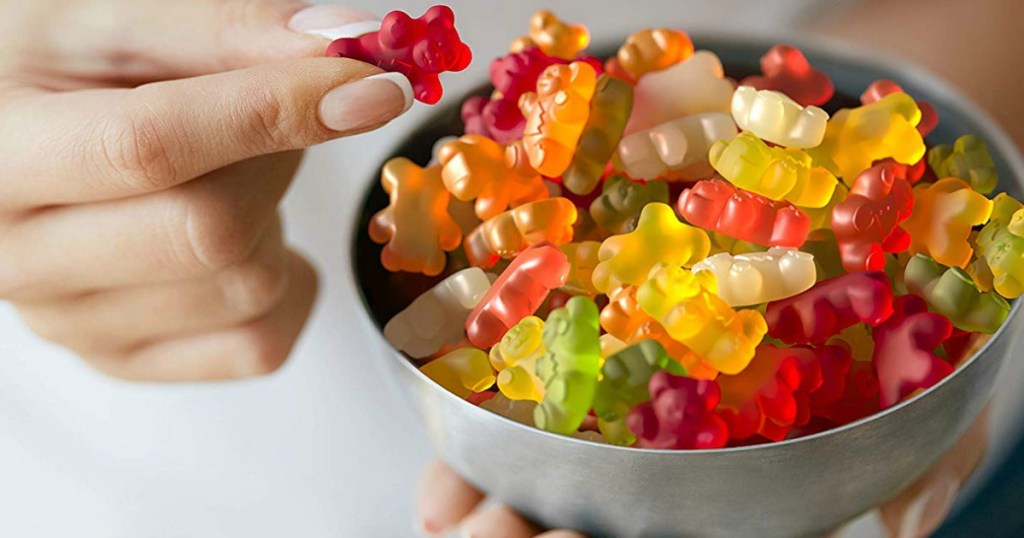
447, 502
144, 148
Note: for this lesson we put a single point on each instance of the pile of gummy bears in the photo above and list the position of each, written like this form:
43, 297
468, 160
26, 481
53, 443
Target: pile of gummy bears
655, 255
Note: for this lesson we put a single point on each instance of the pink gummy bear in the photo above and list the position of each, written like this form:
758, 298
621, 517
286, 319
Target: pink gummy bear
680, 415
829, 307
418, 48
518, 292
904, 350
882, 87
785, 69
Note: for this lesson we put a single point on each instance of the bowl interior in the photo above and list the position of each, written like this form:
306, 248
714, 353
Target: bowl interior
384, 294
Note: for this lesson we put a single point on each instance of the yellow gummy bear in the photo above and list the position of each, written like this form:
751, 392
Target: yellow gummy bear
944, 213
693, 314
515, 359
857, 137
463, 371
773, 172
659, 237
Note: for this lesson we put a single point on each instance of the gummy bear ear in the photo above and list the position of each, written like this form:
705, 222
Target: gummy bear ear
396, 30
441, 14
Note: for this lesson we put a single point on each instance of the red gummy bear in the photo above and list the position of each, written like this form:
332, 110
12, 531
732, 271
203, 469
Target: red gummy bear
761, 399
882, 87
866, 223
717, 205
418, 48
517, 293
823, 371
512, 75
785, 69
904, 350
680, 415
829, 307
859, 398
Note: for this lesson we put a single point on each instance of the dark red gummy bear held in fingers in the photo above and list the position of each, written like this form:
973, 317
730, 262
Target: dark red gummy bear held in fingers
785, 69
905, 345
419, 48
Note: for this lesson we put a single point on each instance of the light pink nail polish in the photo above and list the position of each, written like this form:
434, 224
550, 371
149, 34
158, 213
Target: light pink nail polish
366, 103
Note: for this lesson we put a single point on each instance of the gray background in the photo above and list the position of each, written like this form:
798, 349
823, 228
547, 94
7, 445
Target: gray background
324, 447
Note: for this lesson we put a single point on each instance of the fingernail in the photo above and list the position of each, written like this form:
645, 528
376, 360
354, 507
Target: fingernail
366, 103
334, 22
931, 506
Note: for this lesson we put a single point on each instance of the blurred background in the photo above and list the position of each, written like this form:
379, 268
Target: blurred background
326, 443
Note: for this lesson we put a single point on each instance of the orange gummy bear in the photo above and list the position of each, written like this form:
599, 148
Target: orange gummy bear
416, 225
553, 36
511, 232
556, 115
944, 214
650, 50
495, 175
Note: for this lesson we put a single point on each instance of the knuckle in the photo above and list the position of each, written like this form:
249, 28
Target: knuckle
135, 150
255, 287
274, 123
211, 236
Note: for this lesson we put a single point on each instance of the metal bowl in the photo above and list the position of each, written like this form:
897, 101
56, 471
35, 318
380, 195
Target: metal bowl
800, 487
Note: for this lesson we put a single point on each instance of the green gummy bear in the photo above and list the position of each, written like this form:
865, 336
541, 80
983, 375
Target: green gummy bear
625, 376
609, 111
570, 367
967, 159
618, 207
1002, 249
950, 291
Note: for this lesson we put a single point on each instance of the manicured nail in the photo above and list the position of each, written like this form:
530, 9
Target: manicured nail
427, 528
333, 22
366, 103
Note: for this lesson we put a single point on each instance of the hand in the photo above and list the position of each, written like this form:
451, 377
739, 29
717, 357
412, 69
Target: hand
446, 501
144, 148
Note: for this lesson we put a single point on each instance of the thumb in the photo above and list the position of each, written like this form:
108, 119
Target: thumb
149, 40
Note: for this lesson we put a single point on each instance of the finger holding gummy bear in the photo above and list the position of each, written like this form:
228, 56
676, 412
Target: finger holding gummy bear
661, 259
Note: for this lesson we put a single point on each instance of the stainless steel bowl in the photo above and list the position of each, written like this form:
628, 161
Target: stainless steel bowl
801, 487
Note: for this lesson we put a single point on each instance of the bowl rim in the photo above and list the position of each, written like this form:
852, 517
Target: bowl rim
886, 64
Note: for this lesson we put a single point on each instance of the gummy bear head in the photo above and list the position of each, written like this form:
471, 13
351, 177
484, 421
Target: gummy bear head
440, 48
568, 329
558, 38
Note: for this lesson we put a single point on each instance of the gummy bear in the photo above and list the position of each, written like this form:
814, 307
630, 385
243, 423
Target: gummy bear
829, 307
650, 50
496, 176
968, 159
880, 88
462, 372
867, 223
517, 293
695, 365
417, 48
680, 415
553, 36
520, 411
904, 357
859, 397
438, 316
618, 207
622, 315
609, 110
776, 118
659, 237
760, 277
677, 147
857, 137
718, 206
569, 368
583, 258
950, 291
944, 213
760, 399
693, 314
821, 217
693, 86
508, 233
1001, 246
416, 225
776, 173
515, 360
556, 115
823, 372
786, 70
